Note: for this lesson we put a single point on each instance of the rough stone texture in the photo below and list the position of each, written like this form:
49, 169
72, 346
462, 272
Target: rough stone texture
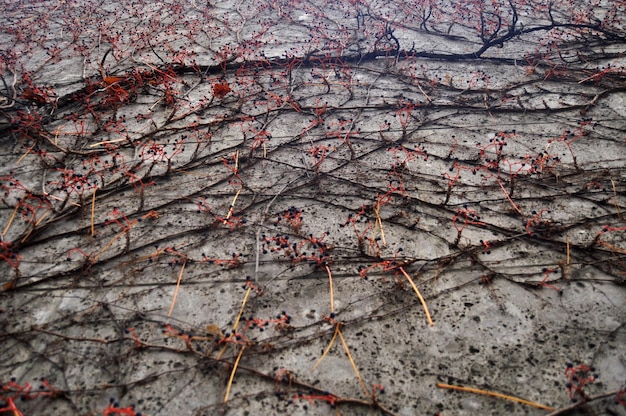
173, 173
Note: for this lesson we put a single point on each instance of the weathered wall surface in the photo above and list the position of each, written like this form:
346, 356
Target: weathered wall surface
286, 206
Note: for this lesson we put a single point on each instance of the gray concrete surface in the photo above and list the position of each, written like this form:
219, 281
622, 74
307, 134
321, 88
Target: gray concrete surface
149, 219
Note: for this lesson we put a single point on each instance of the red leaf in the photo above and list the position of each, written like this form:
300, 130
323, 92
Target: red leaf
220, 90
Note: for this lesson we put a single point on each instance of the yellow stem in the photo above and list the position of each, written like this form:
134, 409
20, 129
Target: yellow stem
6, 229
39, 221
330, 345
419, 296
109, 244
567, 261
232, 374
239, 315
24, 155
332, 296
422, 91
107, 142
495, 394
356, 370
509, 198
379, 223
93, 212
221, 353
612, 247
180, 277
232, 206
243, 305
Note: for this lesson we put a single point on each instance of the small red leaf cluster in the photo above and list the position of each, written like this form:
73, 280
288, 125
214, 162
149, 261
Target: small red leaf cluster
220, 90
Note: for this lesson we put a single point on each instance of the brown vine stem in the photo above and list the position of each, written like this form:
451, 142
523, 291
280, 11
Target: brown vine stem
574, 406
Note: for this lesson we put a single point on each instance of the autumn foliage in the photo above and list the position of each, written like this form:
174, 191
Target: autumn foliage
220, 90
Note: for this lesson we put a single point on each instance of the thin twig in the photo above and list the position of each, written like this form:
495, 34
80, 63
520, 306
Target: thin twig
568, 258
509, 198
25, 154
93, 212
419, 296
574, 406
8, 226
258, 231
232, 206
356, 370
180, 276
243, 305
494, 394
615, 202
379, 224
332, 296
232, 374
330, 345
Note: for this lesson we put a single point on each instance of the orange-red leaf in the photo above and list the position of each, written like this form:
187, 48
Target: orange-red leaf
220, 90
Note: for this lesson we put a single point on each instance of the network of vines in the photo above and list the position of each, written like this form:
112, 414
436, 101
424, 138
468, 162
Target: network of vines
181, 152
